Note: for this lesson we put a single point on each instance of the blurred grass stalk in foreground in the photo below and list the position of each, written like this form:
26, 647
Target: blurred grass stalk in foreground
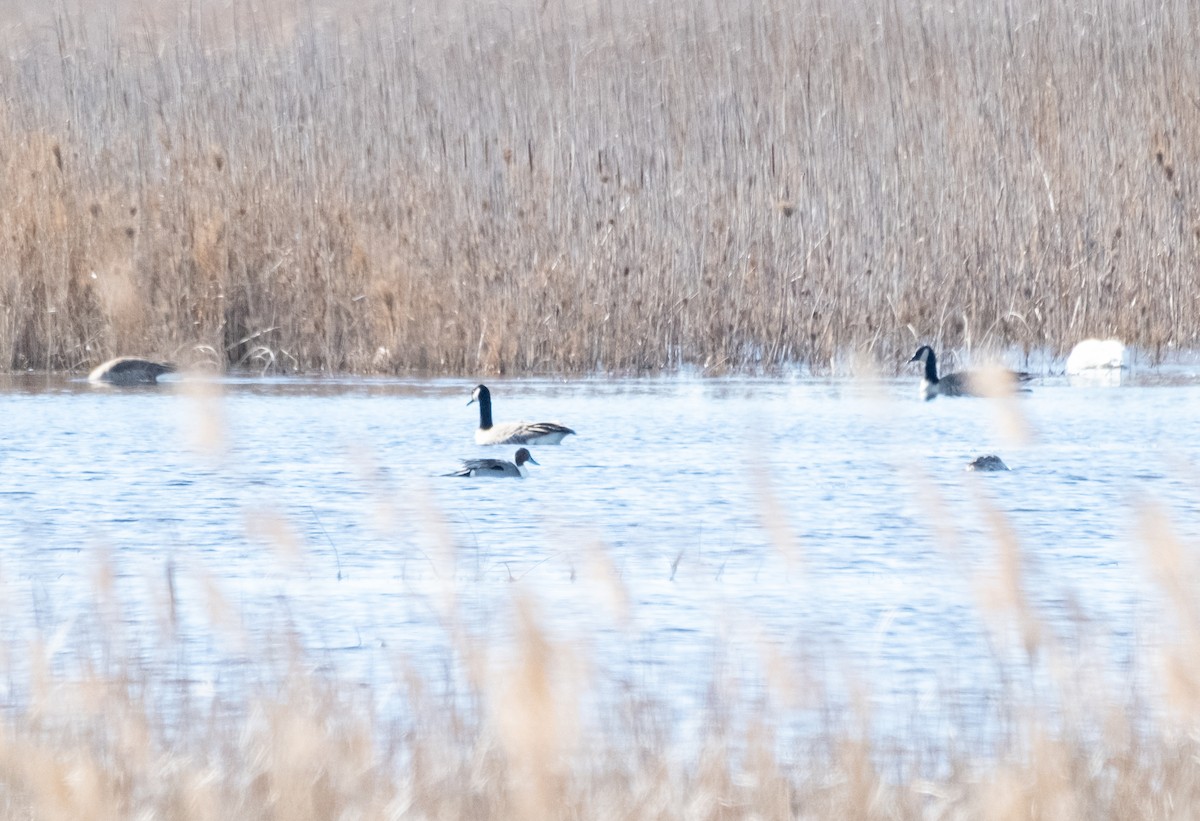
103, 721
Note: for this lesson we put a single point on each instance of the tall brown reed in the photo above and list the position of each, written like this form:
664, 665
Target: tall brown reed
549, 186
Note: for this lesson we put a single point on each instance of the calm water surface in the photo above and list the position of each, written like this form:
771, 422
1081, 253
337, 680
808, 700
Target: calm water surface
692, 529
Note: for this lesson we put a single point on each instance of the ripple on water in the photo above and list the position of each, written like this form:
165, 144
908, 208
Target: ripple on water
648, 546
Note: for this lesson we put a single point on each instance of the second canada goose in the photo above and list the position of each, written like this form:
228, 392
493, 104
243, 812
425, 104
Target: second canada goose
954, 384
496, 468
512, 433
129, 370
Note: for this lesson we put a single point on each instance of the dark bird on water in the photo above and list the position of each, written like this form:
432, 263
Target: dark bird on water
129, 370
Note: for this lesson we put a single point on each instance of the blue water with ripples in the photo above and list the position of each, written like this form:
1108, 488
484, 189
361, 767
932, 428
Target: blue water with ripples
693, 529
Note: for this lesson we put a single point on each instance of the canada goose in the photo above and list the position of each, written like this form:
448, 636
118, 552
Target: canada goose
955, 384
129, 370
987, 463
496, 468
512, 433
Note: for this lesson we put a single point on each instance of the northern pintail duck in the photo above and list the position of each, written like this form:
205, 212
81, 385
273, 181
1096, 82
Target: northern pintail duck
954, 384
496, 468
991, 462
129, 370
512, 433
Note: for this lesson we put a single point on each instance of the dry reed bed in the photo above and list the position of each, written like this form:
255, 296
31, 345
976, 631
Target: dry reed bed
549, 186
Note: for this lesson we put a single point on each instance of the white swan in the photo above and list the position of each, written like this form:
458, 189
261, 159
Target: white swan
1096, 354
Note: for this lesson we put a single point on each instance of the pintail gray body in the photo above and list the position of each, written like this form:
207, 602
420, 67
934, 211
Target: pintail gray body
512, 433
496, 468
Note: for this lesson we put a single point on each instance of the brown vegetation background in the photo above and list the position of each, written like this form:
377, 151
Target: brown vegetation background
539, 185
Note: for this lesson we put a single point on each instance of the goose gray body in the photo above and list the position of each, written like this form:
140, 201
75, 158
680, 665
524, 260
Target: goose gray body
512, 433
952, 384
496, 468
129, 370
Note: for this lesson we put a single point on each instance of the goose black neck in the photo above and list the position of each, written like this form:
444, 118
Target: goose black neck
931, 375
485, 408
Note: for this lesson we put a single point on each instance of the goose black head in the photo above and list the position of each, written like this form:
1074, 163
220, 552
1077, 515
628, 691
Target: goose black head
923, 353
480, 394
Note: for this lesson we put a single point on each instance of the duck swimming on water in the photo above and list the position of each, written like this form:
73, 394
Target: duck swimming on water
496, 468
512, 433
989, 463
